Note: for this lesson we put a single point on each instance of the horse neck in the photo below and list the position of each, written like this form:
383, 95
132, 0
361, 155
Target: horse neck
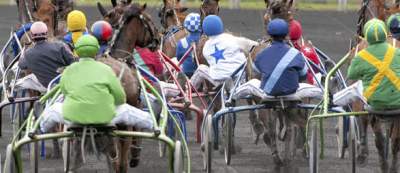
123, 45
171, 22
25, 7
380, 9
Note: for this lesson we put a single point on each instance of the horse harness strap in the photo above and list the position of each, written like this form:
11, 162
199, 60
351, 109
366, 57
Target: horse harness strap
383, 68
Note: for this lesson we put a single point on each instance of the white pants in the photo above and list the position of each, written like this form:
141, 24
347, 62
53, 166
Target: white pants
125, 114
202, 74
30, 82
169, 89
349, 95
252, 88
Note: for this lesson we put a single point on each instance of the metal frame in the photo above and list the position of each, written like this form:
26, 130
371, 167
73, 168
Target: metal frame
31, 127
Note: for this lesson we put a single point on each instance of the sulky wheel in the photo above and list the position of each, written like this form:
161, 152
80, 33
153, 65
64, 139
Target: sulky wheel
66, 152
342, 136
313, 156
178, 158
34, 156
228, 135
353, 144
207, 143
9, 163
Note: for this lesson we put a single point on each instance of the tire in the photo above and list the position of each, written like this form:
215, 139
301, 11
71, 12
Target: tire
66, 155
340, 136
313, 158
34, 157
228, 135
208, 144
9, 163
178, 158
353, 145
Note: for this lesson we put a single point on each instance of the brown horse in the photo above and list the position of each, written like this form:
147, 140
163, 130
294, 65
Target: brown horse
114, 15
381, 10
209, 7
267, 120
120, 59
63, 7
34, 10
172, 15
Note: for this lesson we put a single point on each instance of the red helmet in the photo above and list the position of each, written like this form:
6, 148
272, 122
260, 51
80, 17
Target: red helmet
295, 30
102, 30
309, 52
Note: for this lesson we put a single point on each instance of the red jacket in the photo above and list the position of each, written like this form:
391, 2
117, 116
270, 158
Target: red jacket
151, 60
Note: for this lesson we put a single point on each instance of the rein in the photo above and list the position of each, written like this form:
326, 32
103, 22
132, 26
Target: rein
122, 22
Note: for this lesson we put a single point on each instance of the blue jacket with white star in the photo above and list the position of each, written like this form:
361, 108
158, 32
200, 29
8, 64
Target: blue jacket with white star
281, 68
188, 66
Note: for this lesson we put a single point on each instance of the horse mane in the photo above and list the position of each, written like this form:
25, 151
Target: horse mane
132, 10
279, 10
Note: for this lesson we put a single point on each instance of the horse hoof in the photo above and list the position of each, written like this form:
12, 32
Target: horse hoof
236, 149
384, 166
277, 160
258, 129
393, 170
134, 163
362, 160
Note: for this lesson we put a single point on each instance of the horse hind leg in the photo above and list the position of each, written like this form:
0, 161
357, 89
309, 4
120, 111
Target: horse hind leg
395, 135
135, 153
395, 150
257, 126
269, 120
380, 144
363, 149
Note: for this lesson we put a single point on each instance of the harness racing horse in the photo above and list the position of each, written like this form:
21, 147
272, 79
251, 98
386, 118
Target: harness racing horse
63, 7
120, 59
114, 15
172, 16
209, 7
33, 10
291, 123
381, 10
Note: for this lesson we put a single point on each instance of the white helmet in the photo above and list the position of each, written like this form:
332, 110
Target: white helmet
39, 30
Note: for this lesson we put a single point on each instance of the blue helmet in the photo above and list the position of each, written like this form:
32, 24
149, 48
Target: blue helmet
278, 27
212, 25
192, 22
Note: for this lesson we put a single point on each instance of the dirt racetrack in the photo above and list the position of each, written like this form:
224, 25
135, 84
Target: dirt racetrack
330, 31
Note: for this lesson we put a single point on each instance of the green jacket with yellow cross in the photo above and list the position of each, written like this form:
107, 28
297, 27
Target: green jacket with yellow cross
378, 66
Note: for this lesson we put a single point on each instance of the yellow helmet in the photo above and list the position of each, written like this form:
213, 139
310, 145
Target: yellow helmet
76, 21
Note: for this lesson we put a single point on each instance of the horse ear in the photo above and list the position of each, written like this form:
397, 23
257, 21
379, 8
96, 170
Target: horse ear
290, 4
114, 3
102, 10
144, 6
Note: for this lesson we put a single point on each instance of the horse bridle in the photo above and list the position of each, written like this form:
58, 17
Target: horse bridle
146, 27
204, 13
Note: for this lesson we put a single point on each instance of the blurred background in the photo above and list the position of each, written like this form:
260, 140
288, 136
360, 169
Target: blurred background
332, 5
